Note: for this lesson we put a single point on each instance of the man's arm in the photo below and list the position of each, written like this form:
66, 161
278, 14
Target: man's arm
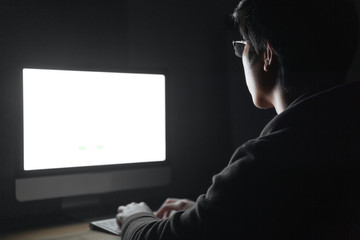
215, 215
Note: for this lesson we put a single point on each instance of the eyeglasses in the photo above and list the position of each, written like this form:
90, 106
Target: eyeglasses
239, 47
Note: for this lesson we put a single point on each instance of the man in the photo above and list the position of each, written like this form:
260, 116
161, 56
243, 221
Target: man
300, 179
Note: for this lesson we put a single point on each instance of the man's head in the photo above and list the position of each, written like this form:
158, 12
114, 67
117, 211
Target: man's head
312, 43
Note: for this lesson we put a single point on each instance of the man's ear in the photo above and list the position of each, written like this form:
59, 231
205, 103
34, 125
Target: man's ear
268, 57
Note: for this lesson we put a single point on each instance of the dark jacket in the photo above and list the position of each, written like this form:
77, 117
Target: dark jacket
299, 180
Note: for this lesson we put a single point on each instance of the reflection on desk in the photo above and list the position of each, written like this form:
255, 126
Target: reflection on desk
62, 232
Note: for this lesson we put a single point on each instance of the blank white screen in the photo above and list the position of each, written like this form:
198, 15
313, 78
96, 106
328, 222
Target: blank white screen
84, 118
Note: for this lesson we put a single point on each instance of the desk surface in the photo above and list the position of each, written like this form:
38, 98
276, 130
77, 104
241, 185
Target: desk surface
62, 232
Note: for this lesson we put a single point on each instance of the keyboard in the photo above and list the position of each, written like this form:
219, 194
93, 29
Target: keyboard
108, 225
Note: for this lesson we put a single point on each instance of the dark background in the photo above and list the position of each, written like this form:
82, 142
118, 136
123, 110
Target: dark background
209, 110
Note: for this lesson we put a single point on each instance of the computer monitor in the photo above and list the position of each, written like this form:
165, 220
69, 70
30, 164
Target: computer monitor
91, 132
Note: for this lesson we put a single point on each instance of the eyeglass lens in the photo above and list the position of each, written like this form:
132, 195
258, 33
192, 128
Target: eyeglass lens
239, 48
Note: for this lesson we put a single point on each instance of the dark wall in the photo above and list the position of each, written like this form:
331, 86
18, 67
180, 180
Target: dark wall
209, 109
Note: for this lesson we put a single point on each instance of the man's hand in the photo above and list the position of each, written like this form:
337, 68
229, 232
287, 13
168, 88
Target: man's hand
131, 209
173, 204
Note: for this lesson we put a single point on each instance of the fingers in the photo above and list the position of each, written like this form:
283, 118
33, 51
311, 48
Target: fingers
172, 205
130, 209
119, 219
164, 212
120, 216
166, 207
121, 209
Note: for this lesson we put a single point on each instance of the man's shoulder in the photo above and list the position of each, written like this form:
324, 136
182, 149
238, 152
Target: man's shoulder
318, 105
267, 147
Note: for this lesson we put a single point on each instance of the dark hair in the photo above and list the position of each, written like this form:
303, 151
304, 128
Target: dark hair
314, 39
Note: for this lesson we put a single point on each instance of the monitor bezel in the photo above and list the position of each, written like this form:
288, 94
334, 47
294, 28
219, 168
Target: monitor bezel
21, 173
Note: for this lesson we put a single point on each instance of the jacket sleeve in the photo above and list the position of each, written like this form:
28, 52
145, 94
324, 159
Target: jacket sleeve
216, 213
